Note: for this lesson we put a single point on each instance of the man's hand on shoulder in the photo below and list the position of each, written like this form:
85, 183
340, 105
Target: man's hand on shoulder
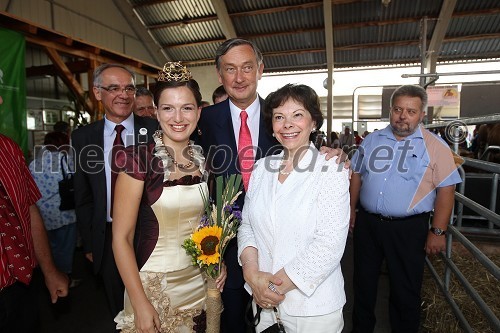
332, 152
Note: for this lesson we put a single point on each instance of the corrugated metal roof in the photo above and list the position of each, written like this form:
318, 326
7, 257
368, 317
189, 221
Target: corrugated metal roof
291, 35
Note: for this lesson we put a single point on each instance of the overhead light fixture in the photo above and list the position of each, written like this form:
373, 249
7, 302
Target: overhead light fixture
386, 2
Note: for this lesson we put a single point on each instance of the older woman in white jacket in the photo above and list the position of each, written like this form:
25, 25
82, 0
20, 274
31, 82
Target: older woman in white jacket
295, 222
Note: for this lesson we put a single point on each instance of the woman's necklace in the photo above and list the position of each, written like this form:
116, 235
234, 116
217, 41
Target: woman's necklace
190, 153
282, 169
179, 165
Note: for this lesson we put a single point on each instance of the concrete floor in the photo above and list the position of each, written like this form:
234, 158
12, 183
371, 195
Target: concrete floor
85, 310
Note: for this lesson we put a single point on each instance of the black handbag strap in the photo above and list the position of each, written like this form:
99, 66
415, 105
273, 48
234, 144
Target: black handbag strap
249, 313
64, 174
279, 327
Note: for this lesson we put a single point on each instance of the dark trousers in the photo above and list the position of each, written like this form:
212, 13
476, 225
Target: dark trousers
234, 297
401, 243
19, 307
113, 284
233, 317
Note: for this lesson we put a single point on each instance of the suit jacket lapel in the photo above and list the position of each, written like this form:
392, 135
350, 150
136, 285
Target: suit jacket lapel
224, 122
97, 139
140, 137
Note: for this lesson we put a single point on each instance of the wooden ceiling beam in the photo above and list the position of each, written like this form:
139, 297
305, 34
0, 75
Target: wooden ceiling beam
183, 22
80, 66
65, 74
48, 38
98, 54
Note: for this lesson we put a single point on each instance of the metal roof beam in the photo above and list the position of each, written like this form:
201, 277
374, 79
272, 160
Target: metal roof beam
367, 46
150, 45
151, 3
314, 30
438, 35
330, 45
225, 21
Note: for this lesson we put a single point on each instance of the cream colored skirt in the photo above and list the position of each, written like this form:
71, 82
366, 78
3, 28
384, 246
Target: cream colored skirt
177, 296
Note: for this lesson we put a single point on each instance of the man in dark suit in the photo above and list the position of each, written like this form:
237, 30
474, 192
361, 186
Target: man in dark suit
114, 86
239, 67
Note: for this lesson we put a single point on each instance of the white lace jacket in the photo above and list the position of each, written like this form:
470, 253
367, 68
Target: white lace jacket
300, 225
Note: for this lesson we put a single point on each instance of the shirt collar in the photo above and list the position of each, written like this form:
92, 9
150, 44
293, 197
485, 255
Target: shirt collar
387, 132
109, 126
252, 110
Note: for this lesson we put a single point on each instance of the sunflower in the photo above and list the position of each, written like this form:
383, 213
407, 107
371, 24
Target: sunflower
207, 239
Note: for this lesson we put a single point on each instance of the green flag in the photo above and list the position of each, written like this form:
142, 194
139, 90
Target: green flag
13, 87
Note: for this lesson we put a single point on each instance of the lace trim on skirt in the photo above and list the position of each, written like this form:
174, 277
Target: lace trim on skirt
171, 319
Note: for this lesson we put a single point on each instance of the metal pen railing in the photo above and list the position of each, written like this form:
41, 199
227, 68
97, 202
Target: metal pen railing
456, 233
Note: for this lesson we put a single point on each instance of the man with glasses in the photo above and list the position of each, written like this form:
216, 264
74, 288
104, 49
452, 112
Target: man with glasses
144, 104
94, 144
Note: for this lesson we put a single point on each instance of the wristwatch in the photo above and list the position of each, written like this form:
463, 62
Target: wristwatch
437, 231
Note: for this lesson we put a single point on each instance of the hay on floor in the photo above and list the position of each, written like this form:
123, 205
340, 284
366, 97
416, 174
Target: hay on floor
437, 314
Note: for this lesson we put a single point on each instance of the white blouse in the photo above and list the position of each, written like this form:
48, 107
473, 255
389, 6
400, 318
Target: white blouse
301, 226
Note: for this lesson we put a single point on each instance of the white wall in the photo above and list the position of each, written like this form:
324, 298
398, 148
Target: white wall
208, 80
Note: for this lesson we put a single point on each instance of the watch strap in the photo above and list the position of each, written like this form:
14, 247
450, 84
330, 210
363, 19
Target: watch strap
437, 231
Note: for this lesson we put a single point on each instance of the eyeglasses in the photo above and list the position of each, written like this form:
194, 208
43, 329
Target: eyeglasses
115, 90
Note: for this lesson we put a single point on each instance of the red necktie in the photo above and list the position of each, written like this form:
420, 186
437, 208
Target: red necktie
117, 146
245, 150
14, 240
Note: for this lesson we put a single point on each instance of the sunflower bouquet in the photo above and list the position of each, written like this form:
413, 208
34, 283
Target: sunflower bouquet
209, 240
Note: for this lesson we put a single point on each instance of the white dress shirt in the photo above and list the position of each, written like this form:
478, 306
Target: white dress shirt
300, 225
109, 138
253, 121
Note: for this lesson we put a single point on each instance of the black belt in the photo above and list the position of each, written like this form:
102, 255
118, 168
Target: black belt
384, 218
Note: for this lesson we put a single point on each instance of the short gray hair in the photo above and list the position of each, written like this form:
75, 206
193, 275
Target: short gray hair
411, 91
230, 43
98, 72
